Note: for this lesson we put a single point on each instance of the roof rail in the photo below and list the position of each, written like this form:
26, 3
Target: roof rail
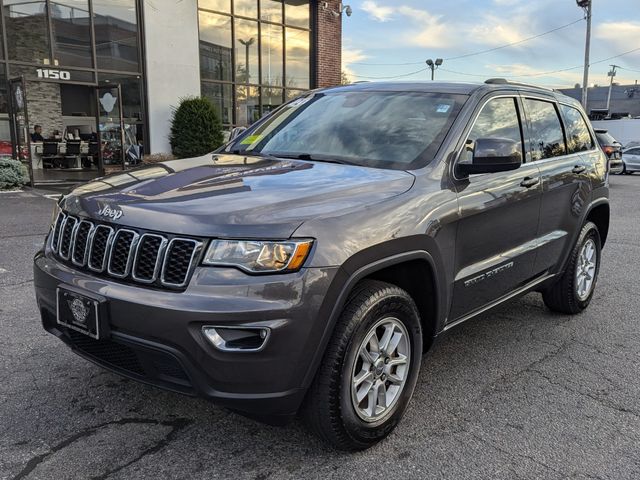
504, 81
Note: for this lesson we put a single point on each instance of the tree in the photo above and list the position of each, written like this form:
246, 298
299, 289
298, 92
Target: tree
195, 128
344, 78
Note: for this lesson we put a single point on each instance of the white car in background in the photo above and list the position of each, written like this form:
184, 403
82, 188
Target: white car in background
631, 160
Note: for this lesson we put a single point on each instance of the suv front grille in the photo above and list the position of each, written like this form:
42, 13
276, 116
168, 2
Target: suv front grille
125, 254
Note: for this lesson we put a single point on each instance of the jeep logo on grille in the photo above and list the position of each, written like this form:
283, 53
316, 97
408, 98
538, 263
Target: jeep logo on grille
107, 211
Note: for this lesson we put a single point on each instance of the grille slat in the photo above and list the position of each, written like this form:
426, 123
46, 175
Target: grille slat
80, 243
125, 254
67, 237
180, 255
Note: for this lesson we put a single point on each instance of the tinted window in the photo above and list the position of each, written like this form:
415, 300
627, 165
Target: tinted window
27, 32
498, 119
380, 129
116, 34
578, 136
71, 26
547, 139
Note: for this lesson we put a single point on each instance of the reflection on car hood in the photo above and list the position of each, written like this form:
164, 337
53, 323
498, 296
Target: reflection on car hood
233, 195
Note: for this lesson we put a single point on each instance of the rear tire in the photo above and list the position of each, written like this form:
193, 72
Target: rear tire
573, 292
354, 402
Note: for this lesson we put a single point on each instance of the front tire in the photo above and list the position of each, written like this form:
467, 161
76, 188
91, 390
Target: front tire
369, 370
573, 292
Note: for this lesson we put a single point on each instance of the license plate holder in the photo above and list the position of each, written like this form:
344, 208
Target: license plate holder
81, 312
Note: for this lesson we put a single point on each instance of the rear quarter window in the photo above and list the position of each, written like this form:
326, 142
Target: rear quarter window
578, 136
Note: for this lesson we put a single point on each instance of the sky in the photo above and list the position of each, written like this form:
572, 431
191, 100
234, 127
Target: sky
389, 38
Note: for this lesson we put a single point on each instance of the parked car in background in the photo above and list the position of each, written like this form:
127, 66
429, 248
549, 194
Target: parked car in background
631, 161
612, 148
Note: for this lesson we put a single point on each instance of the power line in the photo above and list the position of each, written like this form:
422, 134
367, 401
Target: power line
391, 78
514, 43
542, 74
480, 52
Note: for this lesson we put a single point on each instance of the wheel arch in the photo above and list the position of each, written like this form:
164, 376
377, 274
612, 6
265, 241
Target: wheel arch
370, 264
600, 214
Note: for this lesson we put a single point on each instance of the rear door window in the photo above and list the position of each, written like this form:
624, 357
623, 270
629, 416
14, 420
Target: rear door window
578, 136
546, 138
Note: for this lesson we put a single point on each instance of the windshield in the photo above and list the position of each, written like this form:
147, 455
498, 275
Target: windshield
399, 130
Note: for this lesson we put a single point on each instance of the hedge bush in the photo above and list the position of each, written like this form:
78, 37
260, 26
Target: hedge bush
195, 128
13, 174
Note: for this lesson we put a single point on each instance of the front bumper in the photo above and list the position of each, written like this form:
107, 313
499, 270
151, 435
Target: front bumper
155, 336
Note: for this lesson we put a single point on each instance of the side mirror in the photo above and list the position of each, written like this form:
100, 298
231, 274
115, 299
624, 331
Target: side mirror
493, 155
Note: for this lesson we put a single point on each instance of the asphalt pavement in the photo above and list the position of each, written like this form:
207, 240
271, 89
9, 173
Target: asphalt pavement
518, 392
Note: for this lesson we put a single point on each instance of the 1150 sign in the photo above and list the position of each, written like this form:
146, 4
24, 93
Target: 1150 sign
49, 74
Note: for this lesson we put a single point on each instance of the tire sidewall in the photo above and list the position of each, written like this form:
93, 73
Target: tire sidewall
406, 313
590, 231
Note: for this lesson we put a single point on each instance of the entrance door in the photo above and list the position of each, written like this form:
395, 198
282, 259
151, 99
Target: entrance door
111, 132
20, 124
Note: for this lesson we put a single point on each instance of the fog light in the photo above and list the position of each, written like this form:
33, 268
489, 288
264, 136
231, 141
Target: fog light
241, 339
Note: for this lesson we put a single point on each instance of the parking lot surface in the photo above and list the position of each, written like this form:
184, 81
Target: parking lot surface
518, 392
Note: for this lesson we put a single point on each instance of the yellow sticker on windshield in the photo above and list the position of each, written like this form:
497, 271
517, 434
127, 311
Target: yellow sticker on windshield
250, 139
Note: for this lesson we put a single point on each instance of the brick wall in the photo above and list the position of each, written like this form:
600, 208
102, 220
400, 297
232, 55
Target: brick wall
329, 46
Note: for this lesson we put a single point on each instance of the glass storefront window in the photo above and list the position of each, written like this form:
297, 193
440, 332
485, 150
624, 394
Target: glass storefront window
297, 58
271, 10
215, 46
291, 94
247, 105
246, 8
221, 95
247, 65
27, 32
296, 13
71, 28
218, 5
116, 33
272, 54
271, 98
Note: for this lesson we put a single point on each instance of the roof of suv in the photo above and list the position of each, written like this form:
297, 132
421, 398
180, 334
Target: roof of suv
464, 88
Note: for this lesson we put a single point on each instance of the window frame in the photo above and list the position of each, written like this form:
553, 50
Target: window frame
594, 140
556, 106
474, 118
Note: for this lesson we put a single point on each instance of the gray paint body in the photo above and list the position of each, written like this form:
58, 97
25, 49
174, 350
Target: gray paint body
485, 239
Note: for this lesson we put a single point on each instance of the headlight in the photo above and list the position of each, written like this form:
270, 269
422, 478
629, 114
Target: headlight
257, 256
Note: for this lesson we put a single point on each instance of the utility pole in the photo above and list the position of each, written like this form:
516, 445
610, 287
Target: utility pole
433, 66
586, 6
611, 73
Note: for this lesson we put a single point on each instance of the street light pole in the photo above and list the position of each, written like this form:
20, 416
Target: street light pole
433, 66
586, 6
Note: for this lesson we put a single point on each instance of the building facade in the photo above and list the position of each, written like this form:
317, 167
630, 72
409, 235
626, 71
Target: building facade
625, 100
107, 73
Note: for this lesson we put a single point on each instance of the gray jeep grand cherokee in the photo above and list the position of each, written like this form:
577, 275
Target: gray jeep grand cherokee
306, 266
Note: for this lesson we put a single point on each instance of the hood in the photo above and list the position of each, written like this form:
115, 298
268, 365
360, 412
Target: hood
232, 195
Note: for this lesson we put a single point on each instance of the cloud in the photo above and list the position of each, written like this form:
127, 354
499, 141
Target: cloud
621, 35
377, 12
494, 31
527, 73
350, 56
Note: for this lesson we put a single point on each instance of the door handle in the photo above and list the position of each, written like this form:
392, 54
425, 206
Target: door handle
579, 169
529, 182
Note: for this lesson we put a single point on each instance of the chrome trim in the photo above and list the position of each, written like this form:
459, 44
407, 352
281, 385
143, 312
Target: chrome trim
132, 247
196, 251
86, 247
55, 241
107, 248
71, 238
159, 259
220, 343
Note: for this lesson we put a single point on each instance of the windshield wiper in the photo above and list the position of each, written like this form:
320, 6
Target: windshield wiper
312, 158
